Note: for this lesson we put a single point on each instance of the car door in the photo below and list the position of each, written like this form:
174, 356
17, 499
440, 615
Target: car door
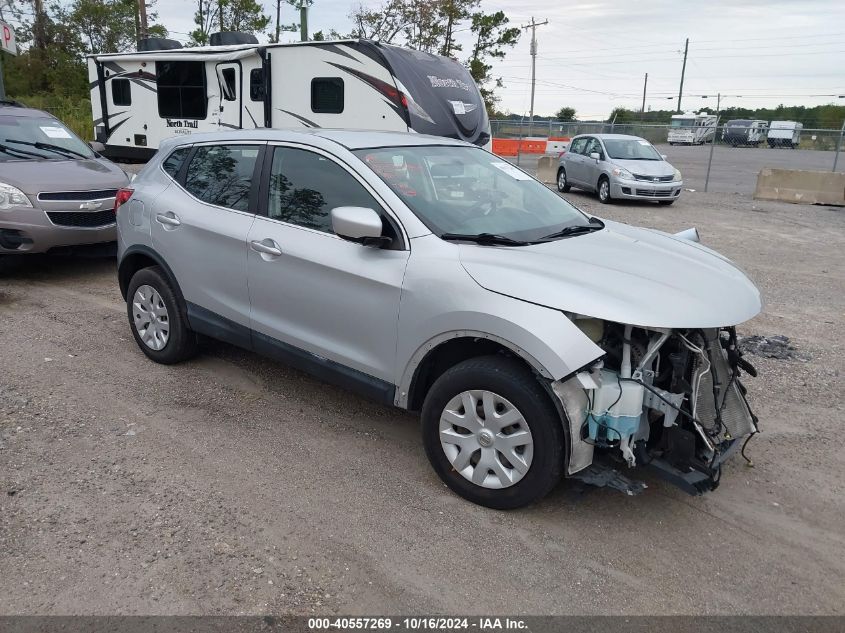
573, 160
326, 302
591, 167
200, 230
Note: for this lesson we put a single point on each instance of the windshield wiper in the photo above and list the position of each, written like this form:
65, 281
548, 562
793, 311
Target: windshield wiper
568, 231
58, 149
20, 153
484, 239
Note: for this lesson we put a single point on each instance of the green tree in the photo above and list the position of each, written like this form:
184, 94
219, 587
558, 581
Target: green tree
492, 38
246, 16
565, 114
107, 25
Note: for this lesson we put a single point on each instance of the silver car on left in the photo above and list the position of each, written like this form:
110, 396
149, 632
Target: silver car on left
55, 191
618, 166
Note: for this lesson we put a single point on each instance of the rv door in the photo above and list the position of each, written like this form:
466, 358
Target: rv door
229, 83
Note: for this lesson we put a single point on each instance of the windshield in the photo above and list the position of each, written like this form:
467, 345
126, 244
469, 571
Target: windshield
443, 99
467, 191
28, 138
631, 149
682, 123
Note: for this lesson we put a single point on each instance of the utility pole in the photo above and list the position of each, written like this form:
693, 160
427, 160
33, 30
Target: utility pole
38, 27
533, 26
278, 18
683, 71
220, 14
642, 111
142, 17
303, 20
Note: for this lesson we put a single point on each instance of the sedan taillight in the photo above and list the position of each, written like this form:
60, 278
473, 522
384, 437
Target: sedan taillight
122, 196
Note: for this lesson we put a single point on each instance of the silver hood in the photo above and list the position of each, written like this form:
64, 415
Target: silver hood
645, 167
623, 274
35, 176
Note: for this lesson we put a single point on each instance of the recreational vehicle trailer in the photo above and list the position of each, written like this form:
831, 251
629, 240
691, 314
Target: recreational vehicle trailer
744, 132
692, 129
140, 98
785, 134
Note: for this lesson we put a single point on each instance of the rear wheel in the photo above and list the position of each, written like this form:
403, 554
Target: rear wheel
157, 319
604, 190
492, 434
561, 181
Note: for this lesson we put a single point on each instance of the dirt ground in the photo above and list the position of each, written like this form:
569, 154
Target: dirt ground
234, 485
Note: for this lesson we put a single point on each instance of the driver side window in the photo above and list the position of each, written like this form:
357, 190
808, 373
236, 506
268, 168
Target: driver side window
578, 145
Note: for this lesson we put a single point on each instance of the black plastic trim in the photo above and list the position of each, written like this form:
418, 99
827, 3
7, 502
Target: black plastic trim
217, 327
131, 153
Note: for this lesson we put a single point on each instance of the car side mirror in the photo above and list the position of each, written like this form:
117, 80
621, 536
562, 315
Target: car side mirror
97, 146
359, 224
595, 155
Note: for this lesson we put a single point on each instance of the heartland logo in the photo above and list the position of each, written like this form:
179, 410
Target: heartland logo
437, 82
185, 123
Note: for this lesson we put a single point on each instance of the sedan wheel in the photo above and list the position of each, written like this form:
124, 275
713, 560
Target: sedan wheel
486, 439
561, 181
604, 190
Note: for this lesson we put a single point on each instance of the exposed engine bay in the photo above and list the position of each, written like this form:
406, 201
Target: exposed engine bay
669, 400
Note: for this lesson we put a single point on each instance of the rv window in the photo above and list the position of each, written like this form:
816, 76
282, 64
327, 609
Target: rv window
327, 95
305, 187
173, 162
181, 90
230, 89
120, 92
256, 84
222, 175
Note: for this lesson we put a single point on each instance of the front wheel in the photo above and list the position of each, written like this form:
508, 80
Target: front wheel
158, 322
604, 190
562, 185
492, 434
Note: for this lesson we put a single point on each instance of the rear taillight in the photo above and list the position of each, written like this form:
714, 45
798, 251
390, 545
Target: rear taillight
122, 196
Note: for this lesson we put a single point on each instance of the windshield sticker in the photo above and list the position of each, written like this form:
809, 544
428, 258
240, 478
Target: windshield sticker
512, 171
55, 132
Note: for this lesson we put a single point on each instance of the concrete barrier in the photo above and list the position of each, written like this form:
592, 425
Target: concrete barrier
801, 187
547, 169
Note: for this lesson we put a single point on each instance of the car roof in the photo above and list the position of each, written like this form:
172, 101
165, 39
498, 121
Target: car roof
350, 139
615, 136
11, 108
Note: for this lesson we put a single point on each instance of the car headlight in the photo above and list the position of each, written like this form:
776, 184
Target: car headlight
12, 197
619, 172
677, 174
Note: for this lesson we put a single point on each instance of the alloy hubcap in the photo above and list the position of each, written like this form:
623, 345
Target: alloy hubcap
150, 316
604, 190
486, 439
561, 180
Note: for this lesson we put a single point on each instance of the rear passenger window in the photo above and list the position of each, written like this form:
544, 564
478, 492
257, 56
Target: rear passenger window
327, 95
222, 175
121, 93
173, 163
305, 187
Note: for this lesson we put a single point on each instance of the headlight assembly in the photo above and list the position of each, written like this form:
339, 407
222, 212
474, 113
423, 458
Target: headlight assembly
677, 174
12, 197
619, 172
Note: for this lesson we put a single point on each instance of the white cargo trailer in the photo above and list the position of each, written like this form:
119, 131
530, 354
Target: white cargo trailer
785, 134
140, 98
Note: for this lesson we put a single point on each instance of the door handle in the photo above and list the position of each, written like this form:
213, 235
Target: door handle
266, 247
168, 218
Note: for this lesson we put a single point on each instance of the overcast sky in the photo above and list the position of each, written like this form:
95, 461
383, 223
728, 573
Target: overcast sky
593, 54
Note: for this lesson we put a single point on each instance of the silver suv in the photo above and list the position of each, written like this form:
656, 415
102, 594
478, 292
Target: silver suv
55, 191
618, 166
537, 341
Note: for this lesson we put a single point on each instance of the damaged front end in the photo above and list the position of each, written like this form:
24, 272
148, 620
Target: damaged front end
670, 400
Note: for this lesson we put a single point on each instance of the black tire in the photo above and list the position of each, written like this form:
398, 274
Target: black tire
565, 187
182, 342
511, 380
604, 198
666, 203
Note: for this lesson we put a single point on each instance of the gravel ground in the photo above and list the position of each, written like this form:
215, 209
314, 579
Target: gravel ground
230, 484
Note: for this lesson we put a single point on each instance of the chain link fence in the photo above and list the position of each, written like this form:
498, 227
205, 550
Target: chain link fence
715, 156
